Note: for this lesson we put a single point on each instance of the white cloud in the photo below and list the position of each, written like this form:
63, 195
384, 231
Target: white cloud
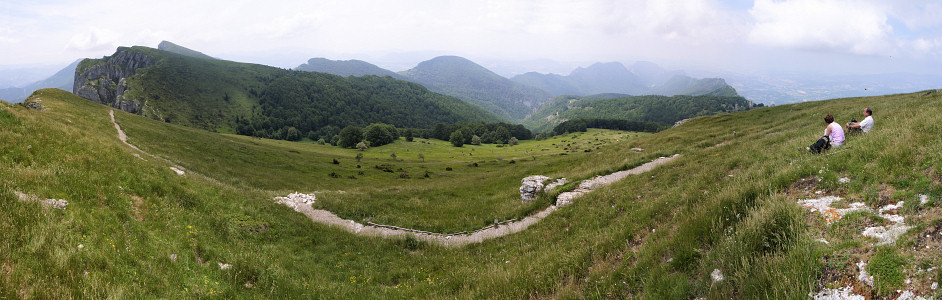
93, 39
855, 27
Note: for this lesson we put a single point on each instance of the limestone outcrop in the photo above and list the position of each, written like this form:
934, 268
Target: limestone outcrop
106, 80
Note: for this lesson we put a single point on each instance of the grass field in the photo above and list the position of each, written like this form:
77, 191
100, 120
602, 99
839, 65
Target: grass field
727, 204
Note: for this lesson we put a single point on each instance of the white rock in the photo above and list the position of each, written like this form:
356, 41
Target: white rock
923, 199
836, 294
173, 257
863, 275
531, 185
886, 235
844, 180
717, 275
178, 171
908, 295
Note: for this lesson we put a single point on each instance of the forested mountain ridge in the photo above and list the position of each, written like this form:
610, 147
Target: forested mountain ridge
643, 78
345, 68
462, 78
223, 95
652, 108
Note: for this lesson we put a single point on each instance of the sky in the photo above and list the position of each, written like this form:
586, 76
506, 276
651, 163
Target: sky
760, 36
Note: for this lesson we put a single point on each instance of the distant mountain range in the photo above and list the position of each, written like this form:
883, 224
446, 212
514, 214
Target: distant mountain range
644, 78
462, 78
650, 108
520, 96
61, 80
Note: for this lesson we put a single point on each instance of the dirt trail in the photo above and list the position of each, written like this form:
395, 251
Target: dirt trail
121, 136
302, 205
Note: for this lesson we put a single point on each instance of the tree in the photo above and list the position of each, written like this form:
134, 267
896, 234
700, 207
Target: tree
292, 134
379, 134
513, 141
359, 156
362, 146
350, 136
502, 135
457, 139
475, 140
409, 135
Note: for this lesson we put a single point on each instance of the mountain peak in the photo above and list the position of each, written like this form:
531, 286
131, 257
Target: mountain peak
174, 48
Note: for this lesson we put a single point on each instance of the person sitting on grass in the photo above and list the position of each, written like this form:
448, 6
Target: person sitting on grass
866, 125
833, 136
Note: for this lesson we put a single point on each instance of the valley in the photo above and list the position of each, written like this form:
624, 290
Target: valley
133, 226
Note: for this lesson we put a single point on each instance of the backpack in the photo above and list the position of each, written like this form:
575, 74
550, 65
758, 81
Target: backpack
824, 143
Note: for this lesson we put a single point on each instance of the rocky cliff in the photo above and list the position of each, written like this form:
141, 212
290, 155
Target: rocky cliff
105, 80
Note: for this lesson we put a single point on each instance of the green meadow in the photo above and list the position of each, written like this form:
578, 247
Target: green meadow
135, 229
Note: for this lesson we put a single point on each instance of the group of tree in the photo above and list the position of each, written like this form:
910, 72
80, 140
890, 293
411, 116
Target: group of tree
581, 125
460, 134
374, 135
652, 108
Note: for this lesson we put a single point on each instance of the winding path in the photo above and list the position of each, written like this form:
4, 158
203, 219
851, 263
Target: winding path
449, 240
477, 236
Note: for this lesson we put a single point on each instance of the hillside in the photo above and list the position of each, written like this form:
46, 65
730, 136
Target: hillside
661, 109
462, 78
345, 68
61, 80
725, 219
644, 78
265, 101
174, 48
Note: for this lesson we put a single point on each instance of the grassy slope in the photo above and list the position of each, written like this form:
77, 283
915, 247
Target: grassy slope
655, 236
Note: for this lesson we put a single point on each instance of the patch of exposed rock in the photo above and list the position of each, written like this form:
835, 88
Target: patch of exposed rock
588, 185
105, 80
48, 203
531, 185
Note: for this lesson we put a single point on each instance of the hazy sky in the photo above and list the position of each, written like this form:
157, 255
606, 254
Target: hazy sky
827, 36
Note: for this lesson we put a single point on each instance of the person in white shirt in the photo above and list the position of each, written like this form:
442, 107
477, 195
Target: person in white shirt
866, 125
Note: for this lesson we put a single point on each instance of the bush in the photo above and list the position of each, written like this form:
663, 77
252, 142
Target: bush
362, 146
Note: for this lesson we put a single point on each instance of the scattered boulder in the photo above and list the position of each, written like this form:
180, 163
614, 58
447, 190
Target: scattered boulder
34, 103
531, 185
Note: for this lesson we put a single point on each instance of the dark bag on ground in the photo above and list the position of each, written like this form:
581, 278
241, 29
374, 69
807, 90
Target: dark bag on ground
824, 143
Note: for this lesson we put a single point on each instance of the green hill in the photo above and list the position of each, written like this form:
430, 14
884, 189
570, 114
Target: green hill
721, 221
171, 47
345, 68
462, 78
661, 109
264, 101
